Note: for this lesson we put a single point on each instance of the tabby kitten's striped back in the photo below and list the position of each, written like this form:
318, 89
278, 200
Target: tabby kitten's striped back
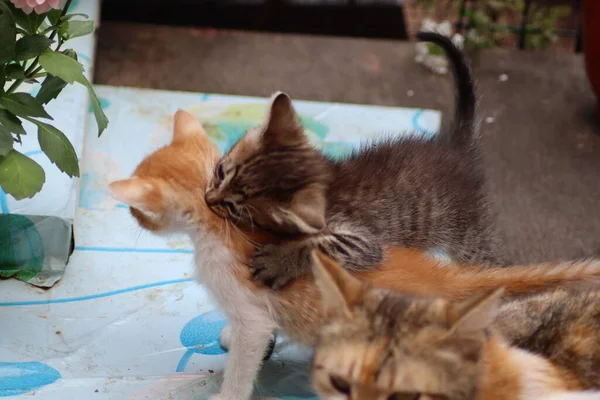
412, 191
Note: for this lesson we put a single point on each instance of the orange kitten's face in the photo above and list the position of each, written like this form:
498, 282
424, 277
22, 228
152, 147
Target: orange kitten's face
167, 189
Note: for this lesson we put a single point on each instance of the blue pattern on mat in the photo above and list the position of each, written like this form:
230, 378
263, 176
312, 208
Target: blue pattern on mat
25, 377
202, 336
95, 296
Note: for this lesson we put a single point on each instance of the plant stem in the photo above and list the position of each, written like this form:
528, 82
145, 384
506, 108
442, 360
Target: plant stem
32, 68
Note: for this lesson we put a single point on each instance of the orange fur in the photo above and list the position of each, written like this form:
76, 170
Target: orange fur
509, 373
182, 169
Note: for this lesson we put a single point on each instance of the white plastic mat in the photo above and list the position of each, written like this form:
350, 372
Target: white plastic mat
127, 321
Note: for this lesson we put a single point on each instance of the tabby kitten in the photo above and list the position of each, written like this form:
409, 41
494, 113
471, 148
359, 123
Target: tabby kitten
378, 344
413, 191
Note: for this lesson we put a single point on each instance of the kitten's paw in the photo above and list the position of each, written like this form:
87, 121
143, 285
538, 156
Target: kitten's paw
225, 337
272, 266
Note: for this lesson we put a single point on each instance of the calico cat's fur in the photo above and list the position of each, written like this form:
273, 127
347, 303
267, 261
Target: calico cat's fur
382, 345
415, 191
163, 195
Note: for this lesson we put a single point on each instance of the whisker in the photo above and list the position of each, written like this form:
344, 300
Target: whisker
244, 236
227, 233
249, 216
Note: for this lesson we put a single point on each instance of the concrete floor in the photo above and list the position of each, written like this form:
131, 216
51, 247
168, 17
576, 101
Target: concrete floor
541, 152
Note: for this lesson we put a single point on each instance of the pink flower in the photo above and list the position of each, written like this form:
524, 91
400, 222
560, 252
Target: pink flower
39, 6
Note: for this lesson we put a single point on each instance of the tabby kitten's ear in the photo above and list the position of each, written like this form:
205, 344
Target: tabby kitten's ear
306, 211
283, 127
475, 313
339, 289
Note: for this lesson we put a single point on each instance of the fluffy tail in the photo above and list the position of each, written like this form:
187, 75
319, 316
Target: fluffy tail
413, 272
463, 127
529, 279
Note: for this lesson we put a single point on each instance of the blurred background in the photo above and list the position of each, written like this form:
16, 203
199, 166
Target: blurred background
538, 110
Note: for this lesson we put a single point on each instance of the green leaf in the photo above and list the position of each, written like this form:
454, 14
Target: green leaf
8, 33
6, 141
71, 16
58, 148
43, 27
51, 88
2, 78
101, 118
23, 105
71, 53
54, 16
61, 65
11, 123
31, 46
15, 71
20, 176
73, 29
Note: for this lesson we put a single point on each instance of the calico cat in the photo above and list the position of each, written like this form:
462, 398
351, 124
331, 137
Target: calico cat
383, 345
163, 197
414, 191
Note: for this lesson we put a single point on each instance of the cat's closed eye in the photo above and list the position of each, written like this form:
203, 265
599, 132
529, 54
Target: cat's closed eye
405, 396
341, 385
220, 173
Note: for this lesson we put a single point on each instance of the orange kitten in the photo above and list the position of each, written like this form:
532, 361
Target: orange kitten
166, 194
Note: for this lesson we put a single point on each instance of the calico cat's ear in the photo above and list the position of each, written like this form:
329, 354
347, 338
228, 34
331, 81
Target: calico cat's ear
468, 319
187, 126
339, 289
283, 127
307, 210
139, 193
475, 313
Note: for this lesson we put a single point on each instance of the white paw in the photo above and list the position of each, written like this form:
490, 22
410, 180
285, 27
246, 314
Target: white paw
225, 339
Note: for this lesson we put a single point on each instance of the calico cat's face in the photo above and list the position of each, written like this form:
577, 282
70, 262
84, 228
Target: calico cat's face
272, 178
380, 345
167, 188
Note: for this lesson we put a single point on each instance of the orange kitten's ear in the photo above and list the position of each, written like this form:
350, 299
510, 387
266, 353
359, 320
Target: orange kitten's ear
138, 193
339, 289
187, 126
475, 313
283, 127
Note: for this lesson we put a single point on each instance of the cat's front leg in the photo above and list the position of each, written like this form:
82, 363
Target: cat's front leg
225, 341
248, 342
277, 265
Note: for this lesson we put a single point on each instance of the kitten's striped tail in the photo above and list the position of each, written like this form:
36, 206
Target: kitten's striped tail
462, 132
529, 279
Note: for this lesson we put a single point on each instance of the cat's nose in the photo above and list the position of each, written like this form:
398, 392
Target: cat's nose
211, 198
